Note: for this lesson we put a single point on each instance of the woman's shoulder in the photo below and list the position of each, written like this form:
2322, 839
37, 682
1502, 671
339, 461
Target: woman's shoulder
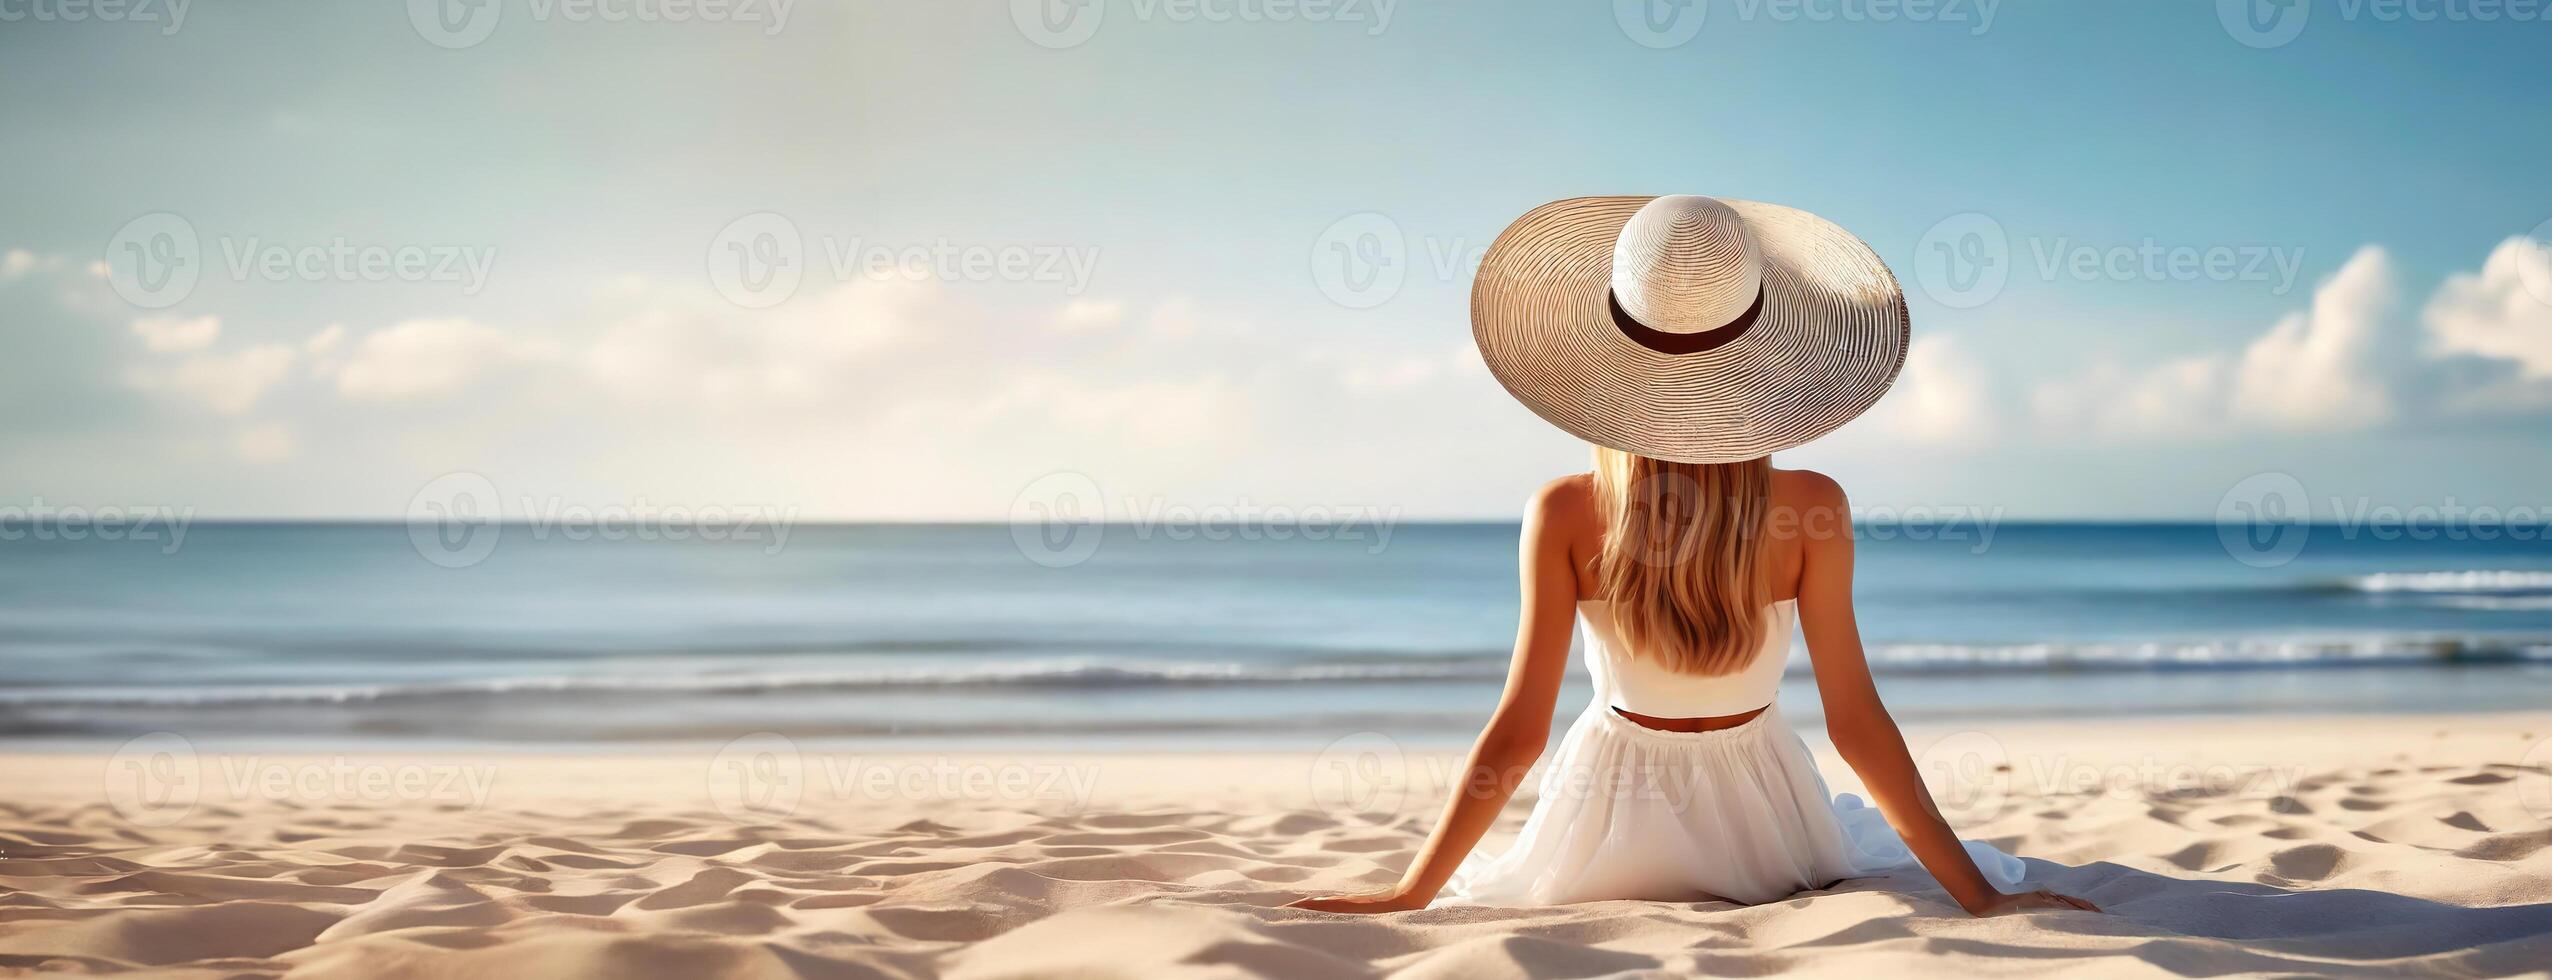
1809, 507
1564, 509
1568, 496
1561, 522
1806, 488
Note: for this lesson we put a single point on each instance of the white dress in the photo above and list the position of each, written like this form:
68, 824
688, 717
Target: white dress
1739, 814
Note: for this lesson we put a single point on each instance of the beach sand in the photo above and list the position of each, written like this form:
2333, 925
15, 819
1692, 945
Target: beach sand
2222, 846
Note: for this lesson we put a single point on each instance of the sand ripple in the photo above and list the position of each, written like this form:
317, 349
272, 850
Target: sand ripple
2435, 868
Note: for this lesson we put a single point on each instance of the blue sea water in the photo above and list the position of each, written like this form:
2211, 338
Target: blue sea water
952, 634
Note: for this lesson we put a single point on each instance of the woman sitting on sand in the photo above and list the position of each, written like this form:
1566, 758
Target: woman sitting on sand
1689, 338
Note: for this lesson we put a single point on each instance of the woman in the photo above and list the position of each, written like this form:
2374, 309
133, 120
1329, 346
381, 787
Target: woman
1689, 338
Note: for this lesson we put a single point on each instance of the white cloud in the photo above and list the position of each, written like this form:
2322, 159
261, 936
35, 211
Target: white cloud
2317, 369
2351, 361
1173, 318
265, 443
326, 341
1085, 315
799, 353
164, 334
1941, 397
644, 356
421, 358
1365, 371
2502, 312
17, 262
1148, 412
2181, 398
228, 384
1389, 374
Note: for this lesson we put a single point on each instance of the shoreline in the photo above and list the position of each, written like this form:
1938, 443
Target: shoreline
2055, 722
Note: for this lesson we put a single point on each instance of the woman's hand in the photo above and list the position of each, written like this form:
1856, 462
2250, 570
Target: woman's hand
1394, 900
1521, 726
2038, 901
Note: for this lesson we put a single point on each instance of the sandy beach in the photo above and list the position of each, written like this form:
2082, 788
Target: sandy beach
2377, 845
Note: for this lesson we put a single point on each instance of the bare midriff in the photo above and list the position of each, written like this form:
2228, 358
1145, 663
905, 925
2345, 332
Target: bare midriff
1690, 724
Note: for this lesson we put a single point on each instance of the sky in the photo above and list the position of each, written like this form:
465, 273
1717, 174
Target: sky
913, 260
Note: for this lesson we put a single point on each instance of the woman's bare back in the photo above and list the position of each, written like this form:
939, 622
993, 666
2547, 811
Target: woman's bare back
1799, 507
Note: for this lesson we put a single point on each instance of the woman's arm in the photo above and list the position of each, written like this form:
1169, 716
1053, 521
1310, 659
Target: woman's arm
1516, 732
1859, 723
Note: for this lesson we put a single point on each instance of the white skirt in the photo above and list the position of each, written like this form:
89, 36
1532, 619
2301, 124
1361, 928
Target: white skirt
1738, 815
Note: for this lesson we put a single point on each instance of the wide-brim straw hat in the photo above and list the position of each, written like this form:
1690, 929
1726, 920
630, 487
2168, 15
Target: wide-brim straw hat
1688, 328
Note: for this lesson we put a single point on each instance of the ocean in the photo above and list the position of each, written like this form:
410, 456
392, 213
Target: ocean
1157, 636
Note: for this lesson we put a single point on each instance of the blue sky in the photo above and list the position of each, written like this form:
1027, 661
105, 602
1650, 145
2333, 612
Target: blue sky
1218, 252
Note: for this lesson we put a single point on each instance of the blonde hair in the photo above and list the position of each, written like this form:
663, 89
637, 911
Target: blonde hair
1680, 565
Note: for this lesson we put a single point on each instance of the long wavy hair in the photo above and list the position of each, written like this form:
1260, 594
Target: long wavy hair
1682, 565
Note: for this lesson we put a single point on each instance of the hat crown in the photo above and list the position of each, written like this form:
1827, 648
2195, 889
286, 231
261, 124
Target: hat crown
1685, 263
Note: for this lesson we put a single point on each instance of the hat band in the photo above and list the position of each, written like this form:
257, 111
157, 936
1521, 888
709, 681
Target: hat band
1664, 342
